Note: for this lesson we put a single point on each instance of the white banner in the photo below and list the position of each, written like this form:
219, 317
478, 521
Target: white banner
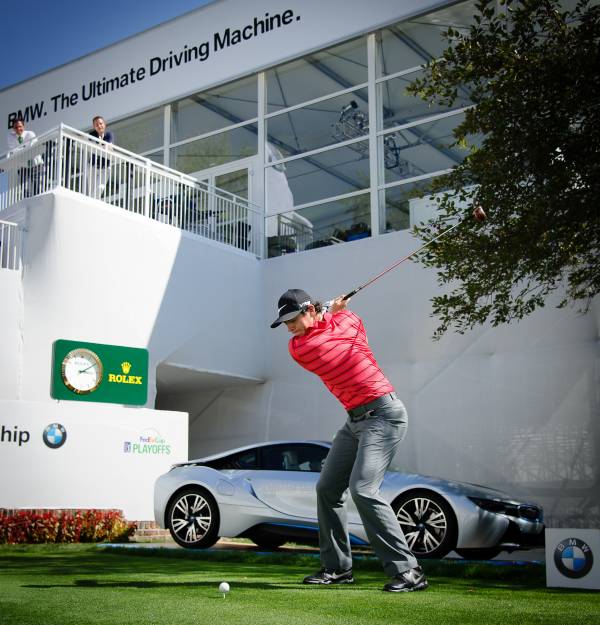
74, 455
209, 46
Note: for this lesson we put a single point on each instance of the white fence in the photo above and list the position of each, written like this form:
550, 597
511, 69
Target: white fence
10, 245
67, 158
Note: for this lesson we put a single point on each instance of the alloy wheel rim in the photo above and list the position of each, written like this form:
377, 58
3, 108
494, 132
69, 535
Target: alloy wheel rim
191, 518
423, 523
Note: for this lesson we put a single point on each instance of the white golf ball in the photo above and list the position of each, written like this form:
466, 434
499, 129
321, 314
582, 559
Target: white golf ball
223, 587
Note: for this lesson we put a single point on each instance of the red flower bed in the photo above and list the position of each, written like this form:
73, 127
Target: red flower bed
79, 526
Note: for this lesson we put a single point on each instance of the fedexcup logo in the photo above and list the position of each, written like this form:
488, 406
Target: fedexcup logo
573, 558
55, 435
150, 442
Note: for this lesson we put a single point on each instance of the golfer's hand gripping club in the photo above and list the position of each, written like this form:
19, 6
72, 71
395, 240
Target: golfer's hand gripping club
337, 304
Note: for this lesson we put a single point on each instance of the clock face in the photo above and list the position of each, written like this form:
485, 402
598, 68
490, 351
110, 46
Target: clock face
82, 371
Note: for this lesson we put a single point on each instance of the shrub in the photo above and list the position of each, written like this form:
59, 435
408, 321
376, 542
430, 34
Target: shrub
29, 526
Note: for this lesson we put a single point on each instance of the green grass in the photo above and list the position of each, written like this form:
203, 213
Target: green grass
87, 585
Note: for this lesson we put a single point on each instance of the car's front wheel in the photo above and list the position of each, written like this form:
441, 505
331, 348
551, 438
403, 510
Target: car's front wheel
428, 523
193, 518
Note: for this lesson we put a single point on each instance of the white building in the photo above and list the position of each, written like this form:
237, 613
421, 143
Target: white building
301, 114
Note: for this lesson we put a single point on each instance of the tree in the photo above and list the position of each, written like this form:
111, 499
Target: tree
530, 69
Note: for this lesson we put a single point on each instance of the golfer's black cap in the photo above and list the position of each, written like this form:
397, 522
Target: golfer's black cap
290, 305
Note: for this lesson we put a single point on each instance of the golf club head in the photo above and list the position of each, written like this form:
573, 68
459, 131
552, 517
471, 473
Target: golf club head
479, 214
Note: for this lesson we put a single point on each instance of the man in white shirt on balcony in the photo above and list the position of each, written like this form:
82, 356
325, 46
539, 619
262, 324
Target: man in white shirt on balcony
18, 139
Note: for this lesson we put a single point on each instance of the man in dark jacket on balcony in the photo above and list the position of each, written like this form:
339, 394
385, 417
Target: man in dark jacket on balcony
99, 165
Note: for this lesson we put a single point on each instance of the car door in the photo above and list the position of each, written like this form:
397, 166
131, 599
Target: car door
287, 477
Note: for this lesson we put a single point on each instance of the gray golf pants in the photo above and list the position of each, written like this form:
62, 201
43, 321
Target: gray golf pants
361, 453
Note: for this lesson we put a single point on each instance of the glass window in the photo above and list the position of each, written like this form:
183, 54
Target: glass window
421, 149
325, 224
140, 133
293, 458
317, 75
404, 207
409, 204
310, 457
235, 182
396, 107
215, 150
334, 172
318, 125
241, 460
217, 108
157, 157
413, 43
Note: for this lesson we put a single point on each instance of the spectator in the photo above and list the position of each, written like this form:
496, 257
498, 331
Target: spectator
18, 139
100, 165
164, 212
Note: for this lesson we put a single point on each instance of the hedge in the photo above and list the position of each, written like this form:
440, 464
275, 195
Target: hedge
79, 526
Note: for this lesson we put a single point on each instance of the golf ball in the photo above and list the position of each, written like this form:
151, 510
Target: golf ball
223, 587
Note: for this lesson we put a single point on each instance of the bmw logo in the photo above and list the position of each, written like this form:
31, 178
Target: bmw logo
55, 435
573, 558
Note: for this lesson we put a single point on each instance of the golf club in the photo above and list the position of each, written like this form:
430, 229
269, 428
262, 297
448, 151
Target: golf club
478, 214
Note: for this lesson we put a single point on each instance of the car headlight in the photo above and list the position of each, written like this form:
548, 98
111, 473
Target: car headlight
519, 511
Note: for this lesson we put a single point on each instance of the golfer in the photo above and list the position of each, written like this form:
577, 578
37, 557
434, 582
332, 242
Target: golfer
334, 346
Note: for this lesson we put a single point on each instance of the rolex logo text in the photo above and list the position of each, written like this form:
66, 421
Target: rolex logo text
125, 378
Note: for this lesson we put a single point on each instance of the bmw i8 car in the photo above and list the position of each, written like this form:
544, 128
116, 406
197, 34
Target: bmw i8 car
266, 492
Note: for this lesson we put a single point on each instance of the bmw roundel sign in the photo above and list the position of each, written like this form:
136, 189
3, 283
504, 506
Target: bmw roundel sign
54, 435
572, 558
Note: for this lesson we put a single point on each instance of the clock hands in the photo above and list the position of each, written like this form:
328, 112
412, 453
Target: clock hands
84, 370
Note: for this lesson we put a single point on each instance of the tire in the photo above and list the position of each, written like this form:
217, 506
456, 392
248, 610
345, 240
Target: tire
428, 523
268, 542
486, 553
193, 518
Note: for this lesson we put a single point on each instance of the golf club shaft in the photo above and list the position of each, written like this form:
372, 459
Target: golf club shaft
362, 286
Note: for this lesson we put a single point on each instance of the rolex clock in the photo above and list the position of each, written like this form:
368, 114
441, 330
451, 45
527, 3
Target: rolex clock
96, 372
81, 371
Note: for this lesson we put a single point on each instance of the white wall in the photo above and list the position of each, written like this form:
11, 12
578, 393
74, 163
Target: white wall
93, 468
10, 336
97, 273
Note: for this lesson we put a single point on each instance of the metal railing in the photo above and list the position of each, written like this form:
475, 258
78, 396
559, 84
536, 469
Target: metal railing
10, 245
68, 158
288, 233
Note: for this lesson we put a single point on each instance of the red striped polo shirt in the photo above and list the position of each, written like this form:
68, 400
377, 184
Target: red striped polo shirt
336, 349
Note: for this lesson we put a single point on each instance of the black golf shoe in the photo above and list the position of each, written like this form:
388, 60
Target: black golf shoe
330, 576
408, 581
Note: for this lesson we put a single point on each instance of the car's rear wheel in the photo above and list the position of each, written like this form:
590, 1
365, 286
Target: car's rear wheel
193, 518
428, 523
479, 554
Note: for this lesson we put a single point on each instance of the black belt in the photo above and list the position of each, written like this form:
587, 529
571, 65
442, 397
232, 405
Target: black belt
360, 412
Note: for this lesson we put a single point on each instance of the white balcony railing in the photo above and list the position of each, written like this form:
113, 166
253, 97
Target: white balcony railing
10, 245
73, 160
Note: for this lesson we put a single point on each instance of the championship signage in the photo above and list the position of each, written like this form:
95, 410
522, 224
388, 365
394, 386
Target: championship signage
573, 558
214, 44
99, 373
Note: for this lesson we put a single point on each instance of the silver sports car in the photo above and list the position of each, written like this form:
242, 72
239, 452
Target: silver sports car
266, 492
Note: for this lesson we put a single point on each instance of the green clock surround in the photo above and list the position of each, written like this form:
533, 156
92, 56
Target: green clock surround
96, 372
